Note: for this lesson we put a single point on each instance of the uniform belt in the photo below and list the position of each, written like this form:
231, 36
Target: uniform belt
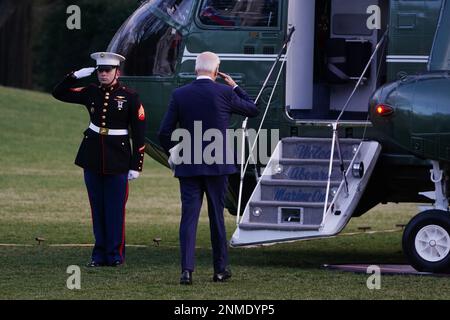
108, 132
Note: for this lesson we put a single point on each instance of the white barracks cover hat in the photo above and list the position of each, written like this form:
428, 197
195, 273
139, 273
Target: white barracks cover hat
107, 58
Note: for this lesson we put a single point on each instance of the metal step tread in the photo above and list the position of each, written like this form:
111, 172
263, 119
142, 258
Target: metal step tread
319, 140
297, 183
286, 204
280, 227
293, 161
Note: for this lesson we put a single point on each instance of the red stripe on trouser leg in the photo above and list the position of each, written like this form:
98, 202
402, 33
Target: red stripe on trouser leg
122, 245
92, 209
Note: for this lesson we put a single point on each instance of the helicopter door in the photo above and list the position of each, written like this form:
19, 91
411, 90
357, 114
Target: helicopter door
329, 51
351, 44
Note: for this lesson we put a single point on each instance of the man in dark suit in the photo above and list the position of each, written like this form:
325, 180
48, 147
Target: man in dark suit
196, 108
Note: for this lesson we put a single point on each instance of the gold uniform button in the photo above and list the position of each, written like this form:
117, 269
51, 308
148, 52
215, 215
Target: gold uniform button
140, 168
107, 97
105, 104
103, 124
104, 110
103, 117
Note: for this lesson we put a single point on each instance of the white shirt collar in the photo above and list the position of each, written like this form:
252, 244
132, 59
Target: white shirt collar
204, 77
209, 78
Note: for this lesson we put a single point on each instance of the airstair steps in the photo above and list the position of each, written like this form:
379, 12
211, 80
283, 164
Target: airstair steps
288, 202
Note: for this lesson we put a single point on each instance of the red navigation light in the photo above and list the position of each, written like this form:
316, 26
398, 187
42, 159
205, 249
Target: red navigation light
384, 110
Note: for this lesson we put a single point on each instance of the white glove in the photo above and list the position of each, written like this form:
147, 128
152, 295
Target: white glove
171, 164
174, 158
83, 73
133, 175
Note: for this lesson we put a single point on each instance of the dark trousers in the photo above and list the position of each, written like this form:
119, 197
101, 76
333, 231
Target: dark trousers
108, 195
192, 191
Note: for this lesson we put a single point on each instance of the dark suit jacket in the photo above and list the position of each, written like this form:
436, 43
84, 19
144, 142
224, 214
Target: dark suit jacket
213, 104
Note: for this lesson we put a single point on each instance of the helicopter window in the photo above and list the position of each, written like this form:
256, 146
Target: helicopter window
150, 40
156, 54
240, 13
178, 10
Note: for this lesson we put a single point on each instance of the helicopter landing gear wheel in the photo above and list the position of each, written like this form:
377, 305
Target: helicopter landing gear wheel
426, 241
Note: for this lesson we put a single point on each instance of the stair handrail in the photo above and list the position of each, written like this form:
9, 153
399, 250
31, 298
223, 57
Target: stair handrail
332, 203
243, 168
335, 127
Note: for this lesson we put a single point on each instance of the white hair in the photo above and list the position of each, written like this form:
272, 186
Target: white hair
207, 62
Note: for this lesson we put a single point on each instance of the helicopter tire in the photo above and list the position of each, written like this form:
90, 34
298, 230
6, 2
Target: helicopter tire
426, 241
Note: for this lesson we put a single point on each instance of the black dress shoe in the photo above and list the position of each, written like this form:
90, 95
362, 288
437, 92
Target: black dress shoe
94, 264
186, 277
116, 263
222, 276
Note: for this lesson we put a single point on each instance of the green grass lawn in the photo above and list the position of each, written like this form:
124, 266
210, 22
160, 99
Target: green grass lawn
42, 194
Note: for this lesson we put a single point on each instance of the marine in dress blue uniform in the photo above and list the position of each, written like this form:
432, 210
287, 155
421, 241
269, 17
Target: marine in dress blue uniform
108, 158
212, 104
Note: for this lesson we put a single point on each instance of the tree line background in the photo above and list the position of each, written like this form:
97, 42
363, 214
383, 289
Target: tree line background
36, 47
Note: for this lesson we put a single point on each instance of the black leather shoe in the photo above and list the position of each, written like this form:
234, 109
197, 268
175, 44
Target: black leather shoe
117, 263
186, 277
222, 276
94, 264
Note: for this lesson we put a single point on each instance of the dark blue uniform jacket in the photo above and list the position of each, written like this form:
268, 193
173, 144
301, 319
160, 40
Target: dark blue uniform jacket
116, 107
